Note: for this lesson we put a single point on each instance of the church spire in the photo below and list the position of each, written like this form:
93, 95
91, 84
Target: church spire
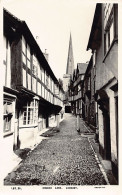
70, 59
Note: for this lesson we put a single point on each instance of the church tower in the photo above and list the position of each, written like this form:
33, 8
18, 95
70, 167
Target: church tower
70, 66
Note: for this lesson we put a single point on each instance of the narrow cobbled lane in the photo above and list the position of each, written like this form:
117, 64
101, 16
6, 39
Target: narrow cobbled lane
66, 158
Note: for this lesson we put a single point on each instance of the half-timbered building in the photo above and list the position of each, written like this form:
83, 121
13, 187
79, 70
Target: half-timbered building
32, 94
75, 89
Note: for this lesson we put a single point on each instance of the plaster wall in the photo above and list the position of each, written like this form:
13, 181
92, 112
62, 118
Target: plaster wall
103, 74
101, 128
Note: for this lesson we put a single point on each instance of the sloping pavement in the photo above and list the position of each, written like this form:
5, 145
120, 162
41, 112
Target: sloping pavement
63, 158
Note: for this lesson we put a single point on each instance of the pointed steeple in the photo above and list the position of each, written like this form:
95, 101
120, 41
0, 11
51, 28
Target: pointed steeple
70, 59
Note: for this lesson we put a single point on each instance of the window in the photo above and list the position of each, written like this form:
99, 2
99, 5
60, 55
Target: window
34, 70
42, 91
23, 50
56, 90
24, 77
39, 71
50, 84
39, 88
28, 116
29, 81
4, 59
47, 80
46, 94
108, 26
79, 87
34, 66
34, 84
6, 62
7, 115
30, 113
45, 77
26, 55
108, 8
42, 75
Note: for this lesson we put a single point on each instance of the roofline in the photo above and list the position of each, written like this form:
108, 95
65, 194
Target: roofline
10, 14
26, 29
39, 50
89, 65
94, 24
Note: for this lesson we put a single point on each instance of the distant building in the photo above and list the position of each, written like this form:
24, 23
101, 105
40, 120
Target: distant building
32, 94
88, 99
75, 89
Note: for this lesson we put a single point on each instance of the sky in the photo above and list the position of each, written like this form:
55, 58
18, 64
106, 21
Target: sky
51, 22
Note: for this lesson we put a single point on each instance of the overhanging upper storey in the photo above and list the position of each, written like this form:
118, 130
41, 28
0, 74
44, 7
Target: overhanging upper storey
96, 30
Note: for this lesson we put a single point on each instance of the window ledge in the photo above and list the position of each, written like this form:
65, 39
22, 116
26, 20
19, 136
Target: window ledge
7, 134
115, 40
29, 126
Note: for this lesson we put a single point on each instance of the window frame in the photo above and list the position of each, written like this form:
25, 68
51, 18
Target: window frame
109, 23
26, 53
33, 117
7, 116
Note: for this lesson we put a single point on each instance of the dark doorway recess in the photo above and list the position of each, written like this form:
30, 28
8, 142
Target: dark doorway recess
67, 109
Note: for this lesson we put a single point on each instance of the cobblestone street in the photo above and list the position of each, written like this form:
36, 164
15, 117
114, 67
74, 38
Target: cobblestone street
62, 158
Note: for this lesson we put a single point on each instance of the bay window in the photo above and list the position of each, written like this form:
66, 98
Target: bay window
30, 113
